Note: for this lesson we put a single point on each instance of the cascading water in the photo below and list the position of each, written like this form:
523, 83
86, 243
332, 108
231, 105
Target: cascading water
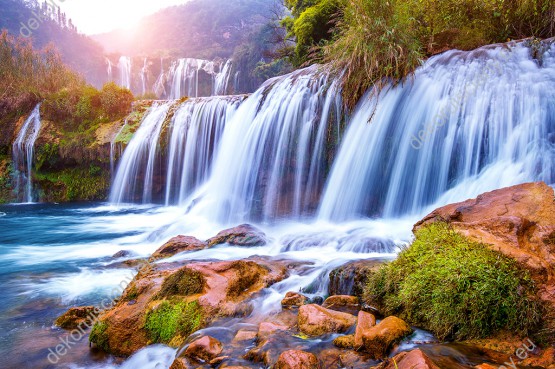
470, 122
144, 76
124, 66
23, 153
138, 159
275, 151
222, 79
194, 130
186, 80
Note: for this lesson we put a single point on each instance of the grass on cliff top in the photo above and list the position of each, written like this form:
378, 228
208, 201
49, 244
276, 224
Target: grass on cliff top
171, 319
456, 288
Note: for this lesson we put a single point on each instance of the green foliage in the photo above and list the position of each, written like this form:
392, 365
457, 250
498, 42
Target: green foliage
99, 336
455, 287
310, 24
170, 319
374, 46
74, 184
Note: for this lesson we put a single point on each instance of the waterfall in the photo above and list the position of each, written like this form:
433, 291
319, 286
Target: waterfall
171, 152
197, 77
274, 154
144, 76
124, 66
196, 130
23, 153
109, 69
470, 122
138, 159
222, 79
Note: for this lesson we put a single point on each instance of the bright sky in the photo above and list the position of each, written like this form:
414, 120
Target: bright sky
98, 16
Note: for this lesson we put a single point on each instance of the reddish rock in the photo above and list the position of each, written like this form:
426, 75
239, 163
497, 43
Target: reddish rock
242, 235
351, 278
295, 359
266, 329
293, 300
414, 359
343, 303
365, 322
227, 286
316, 320
76, 316
178, 244
380, 339
485, 366
245, 335
204, 349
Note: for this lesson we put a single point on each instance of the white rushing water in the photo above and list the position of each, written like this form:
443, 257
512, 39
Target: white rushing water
124, 67
470, 122
23, 154
185, 76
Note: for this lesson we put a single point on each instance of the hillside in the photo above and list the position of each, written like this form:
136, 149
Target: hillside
200, 29
78, 51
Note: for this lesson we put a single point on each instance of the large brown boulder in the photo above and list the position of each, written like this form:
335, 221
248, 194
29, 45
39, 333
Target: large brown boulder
242, 235
204, 349
518, 221
315, 320
296, 359
380, 339
178, 244
414, 359
220, 289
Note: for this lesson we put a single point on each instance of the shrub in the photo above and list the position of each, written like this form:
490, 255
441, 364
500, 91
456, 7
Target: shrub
456, 288
170, 319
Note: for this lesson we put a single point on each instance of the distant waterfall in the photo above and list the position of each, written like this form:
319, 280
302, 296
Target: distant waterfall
275, 152
124, 66
186, 78
171, 152
23, 154
470, 122
144, 76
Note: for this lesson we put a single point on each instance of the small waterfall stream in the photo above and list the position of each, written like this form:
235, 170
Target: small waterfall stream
23, 154
124, 66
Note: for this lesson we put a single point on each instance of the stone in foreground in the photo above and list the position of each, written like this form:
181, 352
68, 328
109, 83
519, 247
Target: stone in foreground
315, 320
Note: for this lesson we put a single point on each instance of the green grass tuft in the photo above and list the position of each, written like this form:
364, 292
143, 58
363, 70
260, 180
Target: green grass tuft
170, 319
456, 288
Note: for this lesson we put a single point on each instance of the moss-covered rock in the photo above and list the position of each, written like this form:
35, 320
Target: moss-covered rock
455, 287
173, 321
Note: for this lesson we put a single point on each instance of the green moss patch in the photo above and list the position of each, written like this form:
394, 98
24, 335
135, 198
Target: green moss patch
74, 184
171, 319
99, 336
456, 288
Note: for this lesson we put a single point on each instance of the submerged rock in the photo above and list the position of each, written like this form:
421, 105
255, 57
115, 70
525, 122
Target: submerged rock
380, 339
178, 244
315, 320
293, 300
296, 359
75, 317
204, 349
414, 359
343, 303
351, 278
242, 235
